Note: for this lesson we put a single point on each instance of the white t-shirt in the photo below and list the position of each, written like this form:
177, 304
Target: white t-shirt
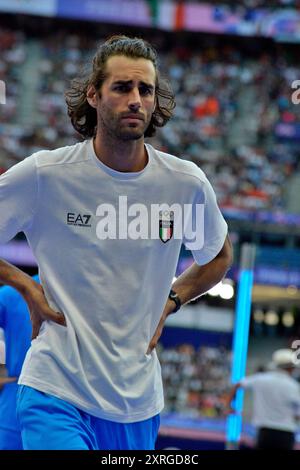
111, 291
276, 399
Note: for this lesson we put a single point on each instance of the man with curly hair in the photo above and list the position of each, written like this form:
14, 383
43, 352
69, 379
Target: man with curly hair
92, 379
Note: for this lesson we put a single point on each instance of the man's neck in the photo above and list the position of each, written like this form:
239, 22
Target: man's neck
127, 157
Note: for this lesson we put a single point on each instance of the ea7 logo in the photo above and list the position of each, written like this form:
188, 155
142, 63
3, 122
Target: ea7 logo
80, 220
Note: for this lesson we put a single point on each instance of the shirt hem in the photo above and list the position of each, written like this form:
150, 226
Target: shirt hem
92, 410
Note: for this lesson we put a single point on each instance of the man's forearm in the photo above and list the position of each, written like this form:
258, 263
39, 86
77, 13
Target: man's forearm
232, 393
14, 277
196, 280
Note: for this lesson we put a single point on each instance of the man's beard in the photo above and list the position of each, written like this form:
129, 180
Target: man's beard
127, 135
114, 129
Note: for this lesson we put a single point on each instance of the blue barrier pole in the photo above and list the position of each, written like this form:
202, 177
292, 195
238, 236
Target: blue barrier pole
240, 342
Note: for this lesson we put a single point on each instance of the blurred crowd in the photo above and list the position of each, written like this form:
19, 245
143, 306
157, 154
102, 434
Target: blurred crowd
253, 4
228, 106
12, 57
195, 381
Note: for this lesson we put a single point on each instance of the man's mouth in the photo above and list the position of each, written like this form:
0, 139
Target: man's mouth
133, 117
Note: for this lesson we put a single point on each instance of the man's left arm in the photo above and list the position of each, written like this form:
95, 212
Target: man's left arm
195, 281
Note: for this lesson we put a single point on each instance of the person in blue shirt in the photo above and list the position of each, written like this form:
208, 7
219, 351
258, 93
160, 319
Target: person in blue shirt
15, 321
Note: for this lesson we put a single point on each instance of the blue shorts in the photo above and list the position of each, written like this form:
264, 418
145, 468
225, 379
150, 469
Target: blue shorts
10, 440
49, 423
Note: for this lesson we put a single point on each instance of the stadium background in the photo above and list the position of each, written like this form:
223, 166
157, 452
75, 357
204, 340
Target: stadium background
234, 70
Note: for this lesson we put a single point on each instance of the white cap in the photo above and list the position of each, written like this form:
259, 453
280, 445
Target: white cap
284, 358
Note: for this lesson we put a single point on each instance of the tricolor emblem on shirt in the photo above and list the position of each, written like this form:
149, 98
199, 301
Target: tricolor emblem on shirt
166, 224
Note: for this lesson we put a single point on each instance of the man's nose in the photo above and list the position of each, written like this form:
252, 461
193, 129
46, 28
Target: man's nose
134, 102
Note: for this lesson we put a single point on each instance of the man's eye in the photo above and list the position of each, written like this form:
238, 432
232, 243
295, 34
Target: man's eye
121, 88
145, 91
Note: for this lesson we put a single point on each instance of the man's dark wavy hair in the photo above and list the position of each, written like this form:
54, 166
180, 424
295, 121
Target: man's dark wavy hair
84, 117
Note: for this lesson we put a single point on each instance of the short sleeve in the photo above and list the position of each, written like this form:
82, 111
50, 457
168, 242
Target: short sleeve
209, 225
18, 192
250, 381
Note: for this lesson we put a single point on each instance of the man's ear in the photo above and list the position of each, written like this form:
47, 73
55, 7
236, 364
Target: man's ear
92, 96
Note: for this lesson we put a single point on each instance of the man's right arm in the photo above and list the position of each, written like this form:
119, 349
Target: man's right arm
18, 202
12, 276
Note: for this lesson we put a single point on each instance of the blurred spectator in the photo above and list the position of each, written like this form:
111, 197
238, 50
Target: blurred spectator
276, 402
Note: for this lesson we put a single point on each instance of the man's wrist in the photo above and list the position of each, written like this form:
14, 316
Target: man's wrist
175, 299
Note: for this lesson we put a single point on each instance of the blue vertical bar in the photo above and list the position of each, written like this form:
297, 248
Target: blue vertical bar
240, 343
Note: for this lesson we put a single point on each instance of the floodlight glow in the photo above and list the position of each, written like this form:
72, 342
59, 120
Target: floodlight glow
215, 291
288, 319
226, 291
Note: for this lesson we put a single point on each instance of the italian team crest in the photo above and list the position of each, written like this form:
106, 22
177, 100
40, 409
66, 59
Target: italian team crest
166, 224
